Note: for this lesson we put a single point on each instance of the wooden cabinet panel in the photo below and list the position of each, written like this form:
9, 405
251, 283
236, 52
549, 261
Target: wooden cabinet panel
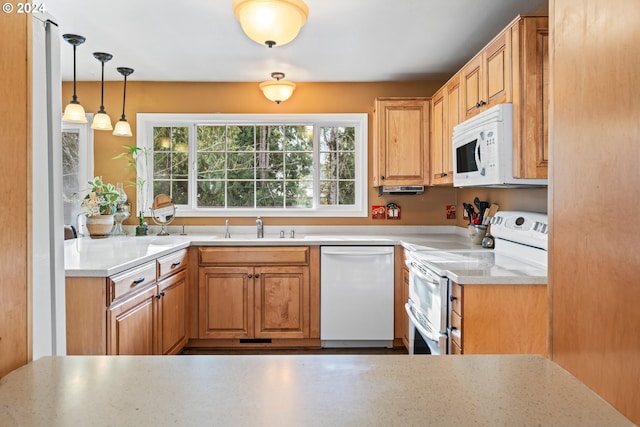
471, 86
531, 98
131, 324
172, 314
445, 114
225, 302
258, 255
497, 60
401, 141
282, 302
499, 319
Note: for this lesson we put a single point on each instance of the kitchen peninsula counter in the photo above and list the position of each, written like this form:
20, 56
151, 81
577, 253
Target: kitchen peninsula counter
300, 390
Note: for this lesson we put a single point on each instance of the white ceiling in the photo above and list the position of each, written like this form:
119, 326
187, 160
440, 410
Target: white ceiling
342, 41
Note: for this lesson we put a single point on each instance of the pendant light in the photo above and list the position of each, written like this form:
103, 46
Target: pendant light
278, 90
73, 112
271, 22
122, 127
101, 121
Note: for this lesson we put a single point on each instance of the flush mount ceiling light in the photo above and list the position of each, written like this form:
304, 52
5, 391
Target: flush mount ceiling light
271, 22
278, 90
101, 121
122, 127
73, 112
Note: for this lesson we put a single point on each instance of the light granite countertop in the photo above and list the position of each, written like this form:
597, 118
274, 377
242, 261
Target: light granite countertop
300, 390
86, 257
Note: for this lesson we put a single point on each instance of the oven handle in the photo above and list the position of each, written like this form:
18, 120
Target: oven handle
418, 326
429, 277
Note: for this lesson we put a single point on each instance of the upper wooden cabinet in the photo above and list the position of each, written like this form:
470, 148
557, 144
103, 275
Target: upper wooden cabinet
445, 114
514, 67
401, 141
486, 78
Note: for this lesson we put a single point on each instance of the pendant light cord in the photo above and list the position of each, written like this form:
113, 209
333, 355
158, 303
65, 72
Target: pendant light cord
74, 100
124, 97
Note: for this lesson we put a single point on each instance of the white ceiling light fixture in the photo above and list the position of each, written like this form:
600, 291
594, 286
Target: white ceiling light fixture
101, 121
271, 22
122, 127
278, 90
74, 112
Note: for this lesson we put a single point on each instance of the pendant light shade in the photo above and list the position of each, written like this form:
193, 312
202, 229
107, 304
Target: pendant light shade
271, 22
278, 90
73, 112
101, 121
122, 127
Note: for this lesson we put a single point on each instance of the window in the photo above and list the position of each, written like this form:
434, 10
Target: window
279, 165
77, 166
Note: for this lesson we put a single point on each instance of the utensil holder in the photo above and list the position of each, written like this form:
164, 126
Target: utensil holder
477, 233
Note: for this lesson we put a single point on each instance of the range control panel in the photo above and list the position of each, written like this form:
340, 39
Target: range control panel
528, 228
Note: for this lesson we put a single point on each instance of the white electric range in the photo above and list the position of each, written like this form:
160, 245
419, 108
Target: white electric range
520, 256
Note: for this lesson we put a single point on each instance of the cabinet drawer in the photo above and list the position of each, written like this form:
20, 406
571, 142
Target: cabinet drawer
456, 298
456, 329
289, 255
130, 280
172, 263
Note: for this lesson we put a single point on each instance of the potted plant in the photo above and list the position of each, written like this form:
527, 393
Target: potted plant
137, 159
99, 206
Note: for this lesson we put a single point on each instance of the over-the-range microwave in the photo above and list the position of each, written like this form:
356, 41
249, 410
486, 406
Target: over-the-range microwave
483, 151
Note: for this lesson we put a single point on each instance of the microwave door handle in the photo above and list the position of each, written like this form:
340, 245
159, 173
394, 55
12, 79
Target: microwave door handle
477, 154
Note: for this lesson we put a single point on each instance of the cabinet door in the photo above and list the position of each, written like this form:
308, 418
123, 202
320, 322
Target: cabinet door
437, 140
281, 302
531, 97
225, 302
401, 142
172, 309
497, 72
452, 114
471, 76
131, 324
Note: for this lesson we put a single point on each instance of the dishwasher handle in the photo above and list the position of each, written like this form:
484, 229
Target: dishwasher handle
358, 253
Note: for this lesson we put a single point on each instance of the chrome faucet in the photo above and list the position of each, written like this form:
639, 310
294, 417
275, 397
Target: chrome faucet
227, 235
260, 228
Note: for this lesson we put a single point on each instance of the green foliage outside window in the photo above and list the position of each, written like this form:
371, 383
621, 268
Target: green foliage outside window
255, 165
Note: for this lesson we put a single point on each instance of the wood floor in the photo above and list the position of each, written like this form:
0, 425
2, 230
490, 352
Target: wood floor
215, 351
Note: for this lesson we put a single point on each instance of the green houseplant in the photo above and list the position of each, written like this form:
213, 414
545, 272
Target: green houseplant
99, 206
137, 160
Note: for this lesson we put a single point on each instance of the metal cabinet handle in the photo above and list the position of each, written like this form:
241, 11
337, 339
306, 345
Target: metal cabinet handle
137, 281
175, 264
160, 295
257, 275
249, 275
452, 298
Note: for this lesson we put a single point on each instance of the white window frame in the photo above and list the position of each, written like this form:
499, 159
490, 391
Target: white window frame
147, 121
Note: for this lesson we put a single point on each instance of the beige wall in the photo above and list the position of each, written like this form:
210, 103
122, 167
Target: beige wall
189, 97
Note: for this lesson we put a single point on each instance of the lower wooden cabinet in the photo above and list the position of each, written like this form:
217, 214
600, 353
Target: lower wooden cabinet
141, 311
171, 321
131, 324
256, 293
498, 319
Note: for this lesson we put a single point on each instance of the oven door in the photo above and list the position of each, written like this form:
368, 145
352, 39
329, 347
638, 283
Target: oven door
428, 294
420, 341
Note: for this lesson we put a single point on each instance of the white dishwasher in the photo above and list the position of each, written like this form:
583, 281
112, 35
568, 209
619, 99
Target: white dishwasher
356, 296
